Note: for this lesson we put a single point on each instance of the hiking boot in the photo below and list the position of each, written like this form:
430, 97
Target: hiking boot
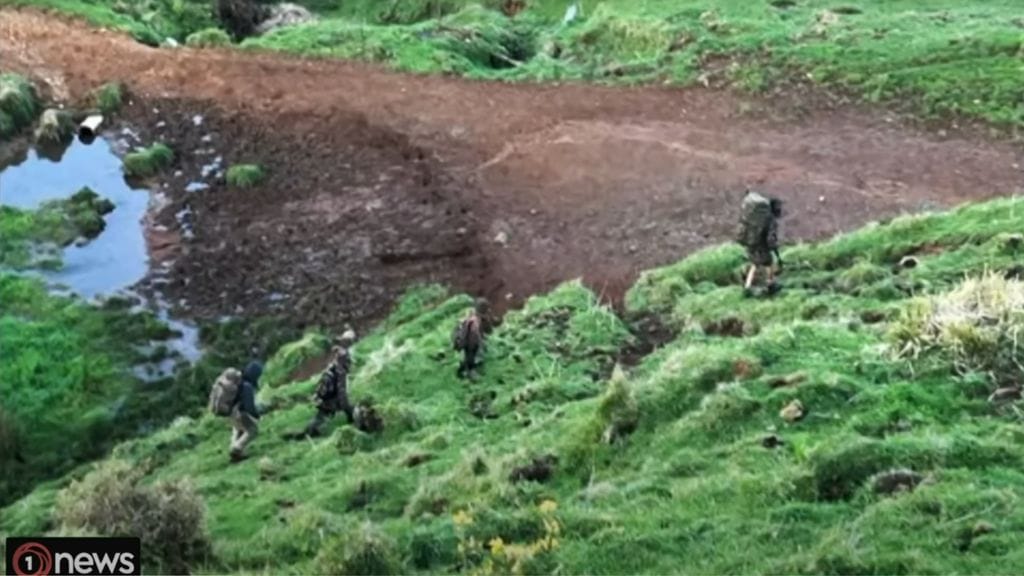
236, 457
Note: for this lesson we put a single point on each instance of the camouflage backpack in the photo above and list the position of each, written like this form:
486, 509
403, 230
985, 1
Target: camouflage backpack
225, 392
467, 333
755, 220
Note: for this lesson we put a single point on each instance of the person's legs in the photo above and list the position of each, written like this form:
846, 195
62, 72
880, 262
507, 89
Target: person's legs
247, 428
313, 428
471, 354
751, 275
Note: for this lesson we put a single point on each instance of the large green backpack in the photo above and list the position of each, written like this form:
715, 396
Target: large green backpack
755, 220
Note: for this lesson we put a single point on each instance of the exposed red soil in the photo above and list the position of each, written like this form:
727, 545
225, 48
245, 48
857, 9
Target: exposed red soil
379, 179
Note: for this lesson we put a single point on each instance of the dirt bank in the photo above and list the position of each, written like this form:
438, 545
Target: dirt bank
378, 179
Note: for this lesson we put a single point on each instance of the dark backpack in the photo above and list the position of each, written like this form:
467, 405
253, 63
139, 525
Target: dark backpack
327, 389
755, 221
467, 333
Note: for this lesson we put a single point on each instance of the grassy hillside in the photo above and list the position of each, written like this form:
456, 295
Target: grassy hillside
679, 460
935, 58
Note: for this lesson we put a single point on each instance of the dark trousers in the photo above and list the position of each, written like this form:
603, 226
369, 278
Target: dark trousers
324, 413
469, 354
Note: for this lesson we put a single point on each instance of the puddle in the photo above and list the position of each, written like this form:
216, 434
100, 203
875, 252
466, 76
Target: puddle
117, 258
114, 261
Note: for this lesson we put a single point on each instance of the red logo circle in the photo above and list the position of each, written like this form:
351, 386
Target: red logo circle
38, 551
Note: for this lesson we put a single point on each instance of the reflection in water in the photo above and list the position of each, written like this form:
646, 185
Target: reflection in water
117, 258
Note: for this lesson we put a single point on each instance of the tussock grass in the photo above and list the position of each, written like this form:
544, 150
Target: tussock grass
245, 175
19, 104
979, 325
109, 97
148, 161
208, 38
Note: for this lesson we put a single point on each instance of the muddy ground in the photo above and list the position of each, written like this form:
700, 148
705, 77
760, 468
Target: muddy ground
378, 179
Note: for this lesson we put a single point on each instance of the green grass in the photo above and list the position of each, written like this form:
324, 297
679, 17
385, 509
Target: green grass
691, 489
148, 161
208, 38
19, 104
82, 354
245, 175
938, 58
109, 97
149, 21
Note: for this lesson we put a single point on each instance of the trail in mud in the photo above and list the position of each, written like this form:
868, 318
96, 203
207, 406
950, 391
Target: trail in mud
380, 179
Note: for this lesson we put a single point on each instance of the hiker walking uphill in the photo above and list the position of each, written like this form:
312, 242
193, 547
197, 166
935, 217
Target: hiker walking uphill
234, 396
759, 234
468, 338
331, 394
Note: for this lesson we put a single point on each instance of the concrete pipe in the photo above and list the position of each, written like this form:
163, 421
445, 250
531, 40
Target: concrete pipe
89, 127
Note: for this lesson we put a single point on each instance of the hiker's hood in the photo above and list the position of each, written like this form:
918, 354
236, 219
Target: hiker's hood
252, 373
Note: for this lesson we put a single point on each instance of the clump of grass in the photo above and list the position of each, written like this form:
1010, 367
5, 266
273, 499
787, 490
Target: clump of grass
367, 550
844, 464
148, 161
19, 104
109, 97
245, 175
208, 38
168, 517
978, 324
618, 412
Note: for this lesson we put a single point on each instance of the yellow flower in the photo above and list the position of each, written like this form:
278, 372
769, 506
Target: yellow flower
497, 546
548, 506
462, 518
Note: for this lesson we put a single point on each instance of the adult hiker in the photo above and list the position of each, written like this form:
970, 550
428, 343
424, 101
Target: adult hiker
468, 338
759, 234
331, 394
234, 396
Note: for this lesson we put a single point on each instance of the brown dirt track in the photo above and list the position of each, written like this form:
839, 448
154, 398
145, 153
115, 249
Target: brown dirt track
379, 179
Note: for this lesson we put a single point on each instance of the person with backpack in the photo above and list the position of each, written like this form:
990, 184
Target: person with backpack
331, 394
234, 396
759, 234
468, 338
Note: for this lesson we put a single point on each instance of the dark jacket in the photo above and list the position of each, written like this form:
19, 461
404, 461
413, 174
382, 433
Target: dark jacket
247, 394
333, 388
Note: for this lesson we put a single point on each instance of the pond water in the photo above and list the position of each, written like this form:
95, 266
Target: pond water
117, 258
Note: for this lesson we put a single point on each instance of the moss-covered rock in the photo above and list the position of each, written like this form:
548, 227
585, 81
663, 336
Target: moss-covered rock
148, 161
19, 104
55, 127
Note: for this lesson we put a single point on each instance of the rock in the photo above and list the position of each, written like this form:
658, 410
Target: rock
793, 412
501, 238
872, 316
982, 527
787, 380
1005, 394
898, 480
1013, 241
908, 262
539, 469
55, 127
415, 459
284, 14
